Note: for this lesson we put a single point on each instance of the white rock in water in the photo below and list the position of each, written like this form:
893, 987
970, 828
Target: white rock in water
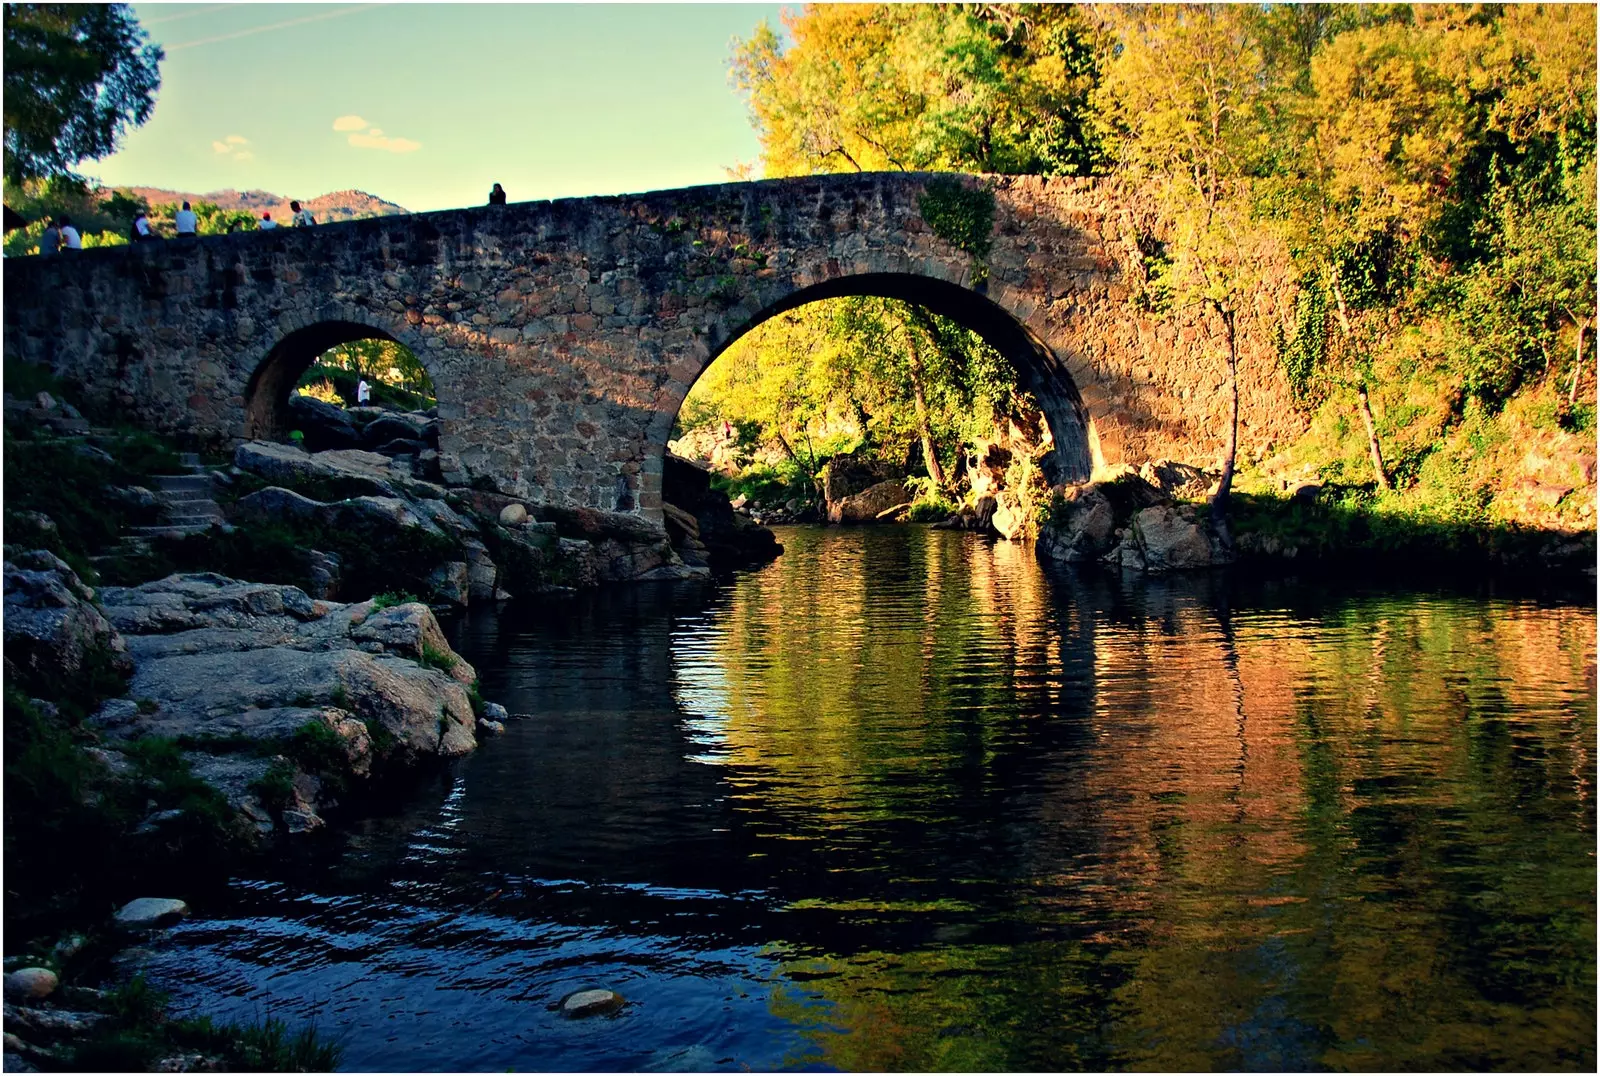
495, 712
151, 912
27, 984
494, 728
591, 1003
513, 515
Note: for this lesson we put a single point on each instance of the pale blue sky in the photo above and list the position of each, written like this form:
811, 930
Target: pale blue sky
435, 102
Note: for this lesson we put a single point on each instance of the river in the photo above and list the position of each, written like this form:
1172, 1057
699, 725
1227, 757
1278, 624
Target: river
904, 799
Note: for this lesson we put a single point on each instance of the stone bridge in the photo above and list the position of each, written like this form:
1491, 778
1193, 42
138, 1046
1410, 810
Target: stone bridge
562, 337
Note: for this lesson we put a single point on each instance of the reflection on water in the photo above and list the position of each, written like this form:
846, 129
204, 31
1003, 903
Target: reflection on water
903, 800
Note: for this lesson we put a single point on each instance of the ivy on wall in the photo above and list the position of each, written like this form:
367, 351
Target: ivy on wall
962, 216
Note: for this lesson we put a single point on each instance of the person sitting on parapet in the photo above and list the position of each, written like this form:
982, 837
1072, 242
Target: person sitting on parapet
70, 240
497, 196
50, 239
140, 231
185, 221
267, 222
302, 217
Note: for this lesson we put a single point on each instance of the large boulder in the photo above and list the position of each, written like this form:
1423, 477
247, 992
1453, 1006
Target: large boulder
228, 663
1166, 538
1081, 527
324, 425
846, 476
394, 425
334, 473
869, 504
55, 637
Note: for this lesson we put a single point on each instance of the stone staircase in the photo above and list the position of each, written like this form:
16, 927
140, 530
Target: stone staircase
190, 508
187, 505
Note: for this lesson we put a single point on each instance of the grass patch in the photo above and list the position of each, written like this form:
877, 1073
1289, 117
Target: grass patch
433, 658
139, 1036
389, 599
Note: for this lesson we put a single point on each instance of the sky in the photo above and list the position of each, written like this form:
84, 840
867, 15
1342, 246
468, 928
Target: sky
428, 105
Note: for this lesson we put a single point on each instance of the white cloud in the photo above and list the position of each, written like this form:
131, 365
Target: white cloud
221, 147
238, 140
349, 123
376, 139
229, 144
244, 155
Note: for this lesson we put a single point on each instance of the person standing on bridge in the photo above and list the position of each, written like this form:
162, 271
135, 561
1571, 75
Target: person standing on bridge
186, 222
302, 217
267, 223
497, 196
363, 392
70, 240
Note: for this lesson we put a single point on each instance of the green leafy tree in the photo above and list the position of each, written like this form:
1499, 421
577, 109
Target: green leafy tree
76, 75
984, 88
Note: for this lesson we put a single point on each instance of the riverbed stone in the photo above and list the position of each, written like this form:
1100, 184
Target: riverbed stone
151, 912
53, 628
586, 1003
30, 984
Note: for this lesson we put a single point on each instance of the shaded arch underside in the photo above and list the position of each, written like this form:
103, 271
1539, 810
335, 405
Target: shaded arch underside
1038, 370
266, 408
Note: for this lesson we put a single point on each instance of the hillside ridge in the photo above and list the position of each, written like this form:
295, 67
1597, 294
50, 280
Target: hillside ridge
348, 204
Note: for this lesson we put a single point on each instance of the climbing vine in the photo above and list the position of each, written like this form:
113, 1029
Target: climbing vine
1301, 349
962, 216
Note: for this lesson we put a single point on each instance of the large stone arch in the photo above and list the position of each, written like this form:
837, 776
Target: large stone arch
1039, 371
266, 394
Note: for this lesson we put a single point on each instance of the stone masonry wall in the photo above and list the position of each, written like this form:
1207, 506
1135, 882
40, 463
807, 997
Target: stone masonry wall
563, 336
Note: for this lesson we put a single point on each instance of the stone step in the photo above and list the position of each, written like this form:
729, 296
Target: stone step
169, 530
190, 460
174, 483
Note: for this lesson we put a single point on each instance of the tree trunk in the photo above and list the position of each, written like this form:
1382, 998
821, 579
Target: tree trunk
1577, 367
1374, 449
930, 458
1219, 502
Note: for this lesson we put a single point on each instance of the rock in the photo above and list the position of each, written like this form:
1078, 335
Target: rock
14, 1045
324, 571
493, 728
50, 1025
1170, 538
356, 472
1081, 527
324, 425
1172, 477
30, 984
495, 712
864, 507
846, 476
1009, 518
394, 426
53, 631
401, 446
410, 630
151, 912
513, 515
1304, 491
591, 1003
450, 583
676, 517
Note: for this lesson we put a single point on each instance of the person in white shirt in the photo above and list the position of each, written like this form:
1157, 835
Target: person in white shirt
141, 228
363, 392
70, 240
302, 217
267, 222
185, 221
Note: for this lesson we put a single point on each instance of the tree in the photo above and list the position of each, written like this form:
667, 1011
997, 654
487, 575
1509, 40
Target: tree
76, 75
1183, 101
982, 88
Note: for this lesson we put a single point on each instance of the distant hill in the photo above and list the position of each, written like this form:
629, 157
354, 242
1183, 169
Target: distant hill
340, 205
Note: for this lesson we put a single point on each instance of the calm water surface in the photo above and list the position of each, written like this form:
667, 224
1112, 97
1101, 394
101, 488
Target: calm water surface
904, 800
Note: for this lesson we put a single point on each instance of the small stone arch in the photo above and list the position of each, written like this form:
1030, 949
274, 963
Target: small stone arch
266, 400
1039, 371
